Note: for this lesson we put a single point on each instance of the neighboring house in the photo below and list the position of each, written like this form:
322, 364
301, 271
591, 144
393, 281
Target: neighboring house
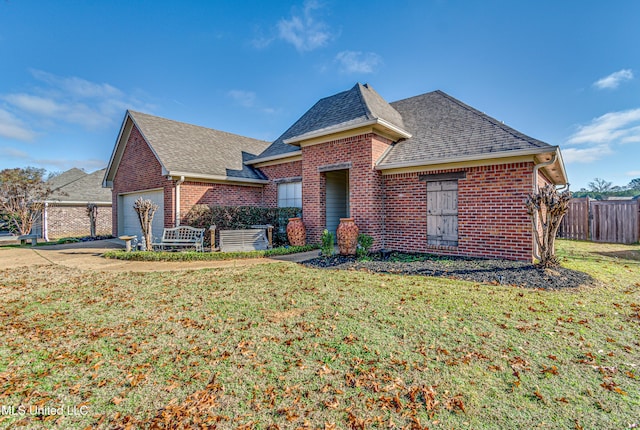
423, 174
65, 212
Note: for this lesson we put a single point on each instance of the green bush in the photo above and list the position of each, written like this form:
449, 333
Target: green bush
204, 256
364, 245
241, 217
328, 241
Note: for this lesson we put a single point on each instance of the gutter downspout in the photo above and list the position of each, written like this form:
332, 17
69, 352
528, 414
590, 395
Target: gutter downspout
178, 183
45, 218
536, 168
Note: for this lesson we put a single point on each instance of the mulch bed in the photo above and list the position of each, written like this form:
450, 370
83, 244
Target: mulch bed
497, 272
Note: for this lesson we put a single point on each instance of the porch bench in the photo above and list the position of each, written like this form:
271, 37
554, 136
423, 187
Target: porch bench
7, 237
253, 239
181, 237
25, 237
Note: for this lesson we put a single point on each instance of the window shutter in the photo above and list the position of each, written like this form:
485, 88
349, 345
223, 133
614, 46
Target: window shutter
442, 213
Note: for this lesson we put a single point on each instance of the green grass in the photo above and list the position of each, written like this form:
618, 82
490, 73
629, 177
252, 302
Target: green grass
281, 344
204, 256
61, 241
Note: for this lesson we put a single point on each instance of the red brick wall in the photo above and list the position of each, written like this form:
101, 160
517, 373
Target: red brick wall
196, 193
492, 218
366, 195
140, 170
73, 221
291, 169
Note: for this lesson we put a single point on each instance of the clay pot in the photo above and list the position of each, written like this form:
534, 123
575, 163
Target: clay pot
296, 233
347, 233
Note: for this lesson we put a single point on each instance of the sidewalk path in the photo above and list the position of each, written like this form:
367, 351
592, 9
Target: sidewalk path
87, 256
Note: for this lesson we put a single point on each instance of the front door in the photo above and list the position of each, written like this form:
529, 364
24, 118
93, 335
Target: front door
337, 198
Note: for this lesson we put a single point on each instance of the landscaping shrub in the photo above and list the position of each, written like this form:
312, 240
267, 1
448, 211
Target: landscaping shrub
204, 256
364, 245
241, 217
327, 243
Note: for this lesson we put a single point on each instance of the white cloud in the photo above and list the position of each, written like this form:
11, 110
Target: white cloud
64, 164
53, 164
304, 31
633, 173
614, 80
585, 155
13, 128
34, 104
622, 126
77, 86
358, 62
243, 98
249, 100
71, 100
13, 153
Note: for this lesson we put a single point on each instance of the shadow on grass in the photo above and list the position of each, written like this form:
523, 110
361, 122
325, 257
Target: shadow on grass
622, 255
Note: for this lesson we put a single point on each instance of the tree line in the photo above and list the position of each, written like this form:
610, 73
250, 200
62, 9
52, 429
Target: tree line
600, 189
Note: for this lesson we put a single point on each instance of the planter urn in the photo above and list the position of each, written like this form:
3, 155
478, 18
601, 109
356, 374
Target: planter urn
296, 232
347, 236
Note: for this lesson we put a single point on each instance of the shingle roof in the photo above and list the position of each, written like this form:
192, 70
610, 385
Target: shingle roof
192, 149
358, 105
444, 128
84, 188
66, 177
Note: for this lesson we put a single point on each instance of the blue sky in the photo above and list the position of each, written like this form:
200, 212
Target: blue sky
565, 72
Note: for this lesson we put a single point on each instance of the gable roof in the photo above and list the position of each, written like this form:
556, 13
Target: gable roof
357, 107
66, 177
190, 150
85, 188
445, 129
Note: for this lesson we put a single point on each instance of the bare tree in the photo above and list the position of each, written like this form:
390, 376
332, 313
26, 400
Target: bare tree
22, 197
145, 210
92, 212
600, 185
546, 208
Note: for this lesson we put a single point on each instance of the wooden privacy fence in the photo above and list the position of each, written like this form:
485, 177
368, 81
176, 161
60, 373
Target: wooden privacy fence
613, 221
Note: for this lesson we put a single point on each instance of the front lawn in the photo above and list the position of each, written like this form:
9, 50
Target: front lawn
285, 346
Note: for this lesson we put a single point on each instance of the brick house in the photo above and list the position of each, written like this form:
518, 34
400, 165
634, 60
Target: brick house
65, 211
424, 174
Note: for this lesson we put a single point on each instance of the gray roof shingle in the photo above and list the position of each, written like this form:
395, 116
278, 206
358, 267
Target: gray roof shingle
444, 128
358, 105
196, 150
66, 177
84, 188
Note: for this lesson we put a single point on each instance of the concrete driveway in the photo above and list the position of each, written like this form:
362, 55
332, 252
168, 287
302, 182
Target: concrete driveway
87, 256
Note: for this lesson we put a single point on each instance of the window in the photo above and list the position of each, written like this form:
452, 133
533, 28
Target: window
290, 195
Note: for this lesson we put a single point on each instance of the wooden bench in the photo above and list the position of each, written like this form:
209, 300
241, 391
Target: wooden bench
181, 237
252, 239
32, 237
6, 236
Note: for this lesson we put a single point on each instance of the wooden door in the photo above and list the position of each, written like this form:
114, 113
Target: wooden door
442, 213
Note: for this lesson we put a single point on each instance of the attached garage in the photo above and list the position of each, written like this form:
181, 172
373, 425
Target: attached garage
128, 222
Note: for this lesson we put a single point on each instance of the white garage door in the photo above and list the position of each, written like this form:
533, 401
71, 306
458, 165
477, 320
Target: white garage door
130, 221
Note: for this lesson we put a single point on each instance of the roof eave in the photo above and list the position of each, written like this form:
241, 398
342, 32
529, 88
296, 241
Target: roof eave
116, 155
333, 130
224, 178
107, 182
488, 155
77, 202
560, 162
273, 157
